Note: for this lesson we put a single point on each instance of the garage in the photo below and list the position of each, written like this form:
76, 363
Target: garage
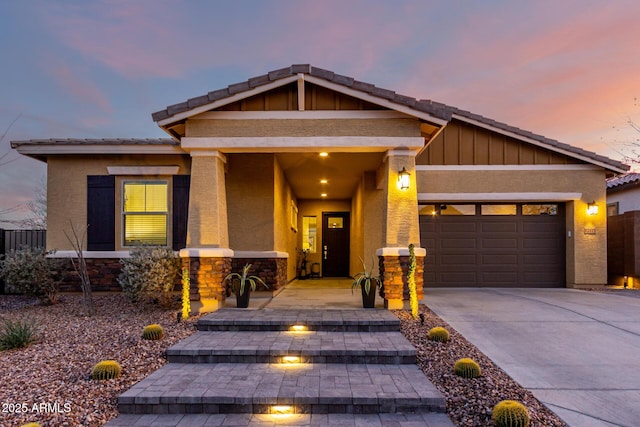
494, 245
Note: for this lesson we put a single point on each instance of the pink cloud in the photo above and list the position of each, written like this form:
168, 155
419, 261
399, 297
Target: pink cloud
78, 85
570, 79
135, 39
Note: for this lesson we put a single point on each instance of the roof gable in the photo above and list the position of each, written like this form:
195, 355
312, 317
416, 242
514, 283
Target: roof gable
426, 110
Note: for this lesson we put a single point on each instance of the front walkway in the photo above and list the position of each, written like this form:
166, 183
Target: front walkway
351, 367
577, 351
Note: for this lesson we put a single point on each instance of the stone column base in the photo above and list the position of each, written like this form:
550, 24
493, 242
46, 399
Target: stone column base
394, 266
207, 270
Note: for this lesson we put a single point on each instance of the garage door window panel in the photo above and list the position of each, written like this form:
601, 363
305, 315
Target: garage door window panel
498, 209
540, 209
450, 210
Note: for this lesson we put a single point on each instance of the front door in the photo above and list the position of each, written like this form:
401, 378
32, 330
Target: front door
335, 244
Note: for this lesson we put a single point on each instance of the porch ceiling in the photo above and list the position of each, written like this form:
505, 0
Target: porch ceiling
342, 171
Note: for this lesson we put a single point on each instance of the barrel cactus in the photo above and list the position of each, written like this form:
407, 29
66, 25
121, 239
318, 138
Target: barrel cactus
106, 370
510, 413
438, 334
152, 332
467, 368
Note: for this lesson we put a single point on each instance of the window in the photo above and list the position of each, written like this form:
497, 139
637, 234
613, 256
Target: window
457, 209
309, 233
145, 210
335, 222
540, 209
498, 209
612, 209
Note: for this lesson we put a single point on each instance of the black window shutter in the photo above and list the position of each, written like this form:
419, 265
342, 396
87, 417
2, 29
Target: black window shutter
180, 210
101, 213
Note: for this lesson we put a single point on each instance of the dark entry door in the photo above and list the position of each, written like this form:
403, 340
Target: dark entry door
335, 244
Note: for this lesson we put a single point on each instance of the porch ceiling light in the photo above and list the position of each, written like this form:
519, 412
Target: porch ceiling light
592, 208
323, 181
404, 179
324, 154
323, 195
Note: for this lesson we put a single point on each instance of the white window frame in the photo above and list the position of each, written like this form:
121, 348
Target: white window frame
124, 214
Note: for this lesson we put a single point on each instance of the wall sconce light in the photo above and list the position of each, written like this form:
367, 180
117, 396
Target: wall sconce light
592, 208
404, 178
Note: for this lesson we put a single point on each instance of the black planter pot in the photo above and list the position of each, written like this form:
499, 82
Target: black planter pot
242, 301
369, 300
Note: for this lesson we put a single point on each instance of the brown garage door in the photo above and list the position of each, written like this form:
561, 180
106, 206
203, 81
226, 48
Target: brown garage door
494, 245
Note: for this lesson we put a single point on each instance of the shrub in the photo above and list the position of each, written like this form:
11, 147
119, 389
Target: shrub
411, 281
152, 332
467, 368
31, 425
106, 370
438, 334
186, 294
32, 273
510, 413
17, 333
151, 271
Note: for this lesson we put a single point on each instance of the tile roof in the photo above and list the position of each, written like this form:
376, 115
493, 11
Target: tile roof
436, 109
624, 180
104, 141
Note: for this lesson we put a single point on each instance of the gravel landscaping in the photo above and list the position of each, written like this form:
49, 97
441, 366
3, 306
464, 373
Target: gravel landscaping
469, 401
48, 382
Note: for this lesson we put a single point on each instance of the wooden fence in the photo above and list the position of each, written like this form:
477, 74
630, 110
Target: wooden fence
17, 239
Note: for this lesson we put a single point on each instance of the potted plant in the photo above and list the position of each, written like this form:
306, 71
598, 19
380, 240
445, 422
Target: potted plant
242, 285
367, 283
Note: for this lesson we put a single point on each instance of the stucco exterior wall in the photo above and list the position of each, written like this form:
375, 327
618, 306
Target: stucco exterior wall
373, 214
628, 200
250, 201
285, 237
302, 127
67, 188
586, 235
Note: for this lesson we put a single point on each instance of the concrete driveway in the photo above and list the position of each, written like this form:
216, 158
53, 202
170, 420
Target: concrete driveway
577, 351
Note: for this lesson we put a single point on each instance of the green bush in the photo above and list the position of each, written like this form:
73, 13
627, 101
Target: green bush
467, 368
32, 273
510, 413
152, 332
106, 370
151, 272
18, 333
438, 334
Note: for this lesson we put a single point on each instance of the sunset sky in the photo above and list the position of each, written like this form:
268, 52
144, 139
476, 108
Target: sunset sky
569, 70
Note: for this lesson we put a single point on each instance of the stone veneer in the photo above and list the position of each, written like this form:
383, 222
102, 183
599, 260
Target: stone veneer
273, 271
393, 271
103, 274
207, 277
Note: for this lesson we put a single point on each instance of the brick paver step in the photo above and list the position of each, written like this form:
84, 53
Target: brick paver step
282, 346
299, 420
179, 388
318, 320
